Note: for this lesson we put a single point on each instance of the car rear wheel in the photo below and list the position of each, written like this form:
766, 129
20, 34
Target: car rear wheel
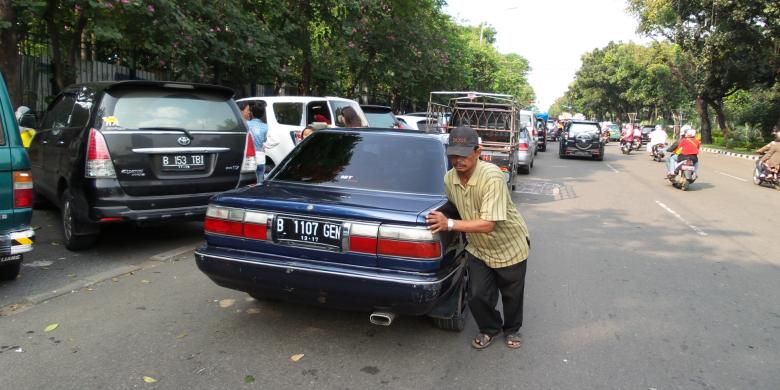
10, 271
458, 320
71, 226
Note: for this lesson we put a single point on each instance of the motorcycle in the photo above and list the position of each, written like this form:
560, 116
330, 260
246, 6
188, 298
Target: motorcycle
658, 152
625, 146
763, 175
605, 137
684, 173
637, 144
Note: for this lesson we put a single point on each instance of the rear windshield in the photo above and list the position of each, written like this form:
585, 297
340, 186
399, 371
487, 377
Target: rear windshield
177, 109
580, 128
371, 161
380, 119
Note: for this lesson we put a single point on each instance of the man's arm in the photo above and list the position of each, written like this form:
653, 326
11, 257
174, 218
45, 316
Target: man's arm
437, 222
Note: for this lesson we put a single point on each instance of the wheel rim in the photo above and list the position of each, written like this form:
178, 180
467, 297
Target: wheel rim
67, 219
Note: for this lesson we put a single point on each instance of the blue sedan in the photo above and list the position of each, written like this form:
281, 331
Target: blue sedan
340, 223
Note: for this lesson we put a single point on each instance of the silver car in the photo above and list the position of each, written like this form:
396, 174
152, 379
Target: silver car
526, 151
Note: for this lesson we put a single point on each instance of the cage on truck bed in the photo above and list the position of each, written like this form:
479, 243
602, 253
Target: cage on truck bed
495, 117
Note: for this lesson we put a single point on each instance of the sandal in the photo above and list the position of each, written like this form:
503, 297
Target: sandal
514, 340
482, 341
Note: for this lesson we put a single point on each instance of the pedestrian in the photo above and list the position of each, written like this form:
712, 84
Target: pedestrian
307, 131
498, 239
253, 113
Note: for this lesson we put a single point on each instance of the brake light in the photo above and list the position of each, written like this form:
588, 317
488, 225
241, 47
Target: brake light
237, 223
250, 156
363, 238
523, 146
23, 189
408, 242
256, 225
297, 136
99, 163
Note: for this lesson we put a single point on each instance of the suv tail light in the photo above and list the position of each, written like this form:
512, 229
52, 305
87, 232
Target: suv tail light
99, 163
23, 189
408, 242
250, 156
523, 146
297, 136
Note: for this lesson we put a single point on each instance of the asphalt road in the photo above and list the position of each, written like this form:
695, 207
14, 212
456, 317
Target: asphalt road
631, 284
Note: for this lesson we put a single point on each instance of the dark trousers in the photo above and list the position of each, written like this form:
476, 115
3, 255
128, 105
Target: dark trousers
484, 286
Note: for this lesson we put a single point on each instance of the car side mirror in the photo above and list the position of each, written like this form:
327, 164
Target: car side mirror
29, 120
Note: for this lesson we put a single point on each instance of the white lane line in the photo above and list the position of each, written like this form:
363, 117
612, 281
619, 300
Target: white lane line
612, 168
676, 215
733, 177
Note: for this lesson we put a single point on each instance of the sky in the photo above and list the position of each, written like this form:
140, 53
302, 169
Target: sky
551, 34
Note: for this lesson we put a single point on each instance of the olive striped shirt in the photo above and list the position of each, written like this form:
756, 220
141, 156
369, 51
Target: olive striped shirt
486, 197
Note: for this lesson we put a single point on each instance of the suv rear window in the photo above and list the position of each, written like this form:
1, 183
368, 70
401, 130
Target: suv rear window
579, 128
372, 161
161, 109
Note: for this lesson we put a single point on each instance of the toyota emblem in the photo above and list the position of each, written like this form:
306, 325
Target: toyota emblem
184, 141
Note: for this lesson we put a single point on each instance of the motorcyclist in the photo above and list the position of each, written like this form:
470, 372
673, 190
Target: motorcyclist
771, 155
638, 136
627, 135
687, 146
657, 137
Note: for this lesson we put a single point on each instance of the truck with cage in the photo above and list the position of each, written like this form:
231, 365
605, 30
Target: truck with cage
495, 117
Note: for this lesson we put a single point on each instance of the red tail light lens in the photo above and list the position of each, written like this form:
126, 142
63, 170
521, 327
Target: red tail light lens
236, 222
221, 226
363, 238
250, 155
256, 225
23, 189
523, 146
99, 163
408, 242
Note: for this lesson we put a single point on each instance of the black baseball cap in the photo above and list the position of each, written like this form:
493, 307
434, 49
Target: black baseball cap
462, 141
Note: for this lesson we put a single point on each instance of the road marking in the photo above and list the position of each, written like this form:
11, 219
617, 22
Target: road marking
676, 215
733, 177
612, 168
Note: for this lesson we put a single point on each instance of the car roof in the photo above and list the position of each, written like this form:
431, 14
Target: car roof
100, 86
375, 108
295, 99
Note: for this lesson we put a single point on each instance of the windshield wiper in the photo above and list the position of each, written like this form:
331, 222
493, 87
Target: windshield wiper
185, 131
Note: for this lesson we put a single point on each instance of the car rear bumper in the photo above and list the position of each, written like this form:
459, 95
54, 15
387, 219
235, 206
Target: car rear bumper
124, 213
14, 243
582, 153
524, 158
326, 284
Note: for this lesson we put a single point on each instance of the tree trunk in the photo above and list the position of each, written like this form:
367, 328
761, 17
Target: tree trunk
9, 57
704, 115
720, 116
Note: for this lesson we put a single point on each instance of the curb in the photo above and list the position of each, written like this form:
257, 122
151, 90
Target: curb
731, 154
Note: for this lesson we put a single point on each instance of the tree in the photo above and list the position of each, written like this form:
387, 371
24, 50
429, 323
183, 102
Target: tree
8, 53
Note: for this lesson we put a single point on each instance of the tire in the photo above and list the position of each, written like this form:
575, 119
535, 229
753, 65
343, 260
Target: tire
524, 169
71, 226
458, 320
756, 179
684, 185
10, 271
600, 157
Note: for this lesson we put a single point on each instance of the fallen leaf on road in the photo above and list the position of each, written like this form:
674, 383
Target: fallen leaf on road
55, 243
249, 299
51, 327
252, 310
114, 279
90, 289
296, 357
145, 281
249, 379
181, 336
72, 275
226, 303
149, 379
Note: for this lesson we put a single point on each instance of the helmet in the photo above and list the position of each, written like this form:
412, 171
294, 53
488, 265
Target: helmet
658, 127
690, 132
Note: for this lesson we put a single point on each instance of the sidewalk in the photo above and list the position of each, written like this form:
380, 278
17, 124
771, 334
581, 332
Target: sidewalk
730, 153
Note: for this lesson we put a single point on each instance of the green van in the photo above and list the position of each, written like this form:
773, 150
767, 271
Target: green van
16, 191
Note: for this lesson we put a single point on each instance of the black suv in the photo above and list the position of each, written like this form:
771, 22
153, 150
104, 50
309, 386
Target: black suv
646, 130
581, 139
138, 151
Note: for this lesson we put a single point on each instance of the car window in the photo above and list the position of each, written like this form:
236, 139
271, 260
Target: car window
580, 128
288, 113
318, 112
135, 109
380, 119
340, 105
372, 161
81, 109
58, 114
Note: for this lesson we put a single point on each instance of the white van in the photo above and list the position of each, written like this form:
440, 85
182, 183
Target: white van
288, 115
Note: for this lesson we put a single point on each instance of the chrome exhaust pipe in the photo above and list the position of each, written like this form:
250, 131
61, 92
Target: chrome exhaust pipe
381, 318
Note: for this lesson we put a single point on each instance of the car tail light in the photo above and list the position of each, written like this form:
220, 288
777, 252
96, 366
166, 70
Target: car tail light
23, 189
99, 163
225, 221
408, 242
250, 159
363, 238
256, 225
523, 146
